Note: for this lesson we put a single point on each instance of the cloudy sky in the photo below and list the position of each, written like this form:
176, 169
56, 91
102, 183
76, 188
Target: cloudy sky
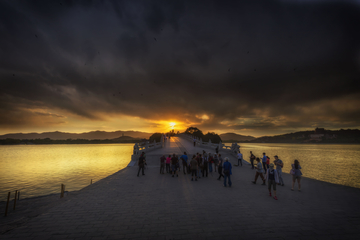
256, 67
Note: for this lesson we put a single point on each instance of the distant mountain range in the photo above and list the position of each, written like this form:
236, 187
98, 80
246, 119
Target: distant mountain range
227, 137
87, 135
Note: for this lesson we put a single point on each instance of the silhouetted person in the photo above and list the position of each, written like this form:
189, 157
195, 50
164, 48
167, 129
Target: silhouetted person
141, 164
162, 164
220, 167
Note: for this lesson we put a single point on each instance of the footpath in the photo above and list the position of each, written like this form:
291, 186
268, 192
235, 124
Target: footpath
156, 206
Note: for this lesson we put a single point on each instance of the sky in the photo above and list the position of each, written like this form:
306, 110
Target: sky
258, 67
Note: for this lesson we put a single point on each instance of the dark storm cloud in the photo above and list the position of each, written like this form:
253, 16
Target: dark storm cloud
245, 64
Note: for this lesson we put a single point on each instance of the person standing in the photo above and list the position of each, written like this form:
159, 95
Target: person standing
272, 179
205, 165
174, 165
199, 160
264, 159
279, 165
220, 167
194, 142
162, 164
252, 159
141, 164
259, 171
227, 172
216, 162
194, 167
239, 157
211, 161
168, 160
296, 174
184, 159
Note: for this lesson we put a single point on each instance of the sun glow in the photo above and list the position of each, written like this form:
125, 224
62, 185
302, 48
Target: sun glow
172, 125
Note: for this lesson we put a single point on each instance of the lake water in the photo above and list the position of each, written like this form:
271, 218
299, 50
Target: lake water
335, 163
38, 170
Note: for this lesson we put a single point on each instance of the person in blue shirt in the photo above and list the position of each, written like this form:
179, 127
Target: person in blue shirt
227, 171
184, 159
264, 159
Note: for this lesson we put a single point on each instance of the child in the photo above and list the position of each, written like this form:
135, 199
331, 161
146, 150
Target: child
272, 178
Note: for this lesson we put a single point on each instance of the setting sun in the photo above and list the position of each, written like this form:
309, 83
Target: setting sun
172, 125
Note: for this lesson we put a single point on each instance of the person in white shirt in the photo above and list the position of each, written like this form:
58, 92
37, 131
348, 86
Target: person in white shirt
239, 157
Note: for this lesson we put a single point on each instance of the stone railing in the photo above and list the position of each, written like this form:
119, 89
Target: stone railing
233, 149
147, 147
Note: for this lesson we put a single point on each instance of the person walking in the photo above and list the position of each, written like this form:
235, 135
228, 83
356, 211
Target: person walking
272, 178
162, 164
194, 142
205, 165
220, 167
267, 161
141, 164
279, 165
168, 160
296, 174
252, 159
194, 167
217, 150
174, 165
184, 159
211, 161
227, 171
264, 159
239, 157
259, 171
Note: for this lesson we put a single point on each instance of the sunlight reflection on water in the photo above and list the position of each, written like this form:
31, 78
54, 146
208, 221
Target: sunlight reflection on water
38, 170
335, 163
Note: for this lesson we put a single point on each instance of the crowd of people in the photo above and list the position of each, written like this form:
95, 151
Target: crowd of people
201, 164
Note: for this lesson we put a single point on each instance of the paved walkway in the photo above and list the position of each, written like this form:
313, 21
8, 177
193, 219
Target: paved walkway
155, 206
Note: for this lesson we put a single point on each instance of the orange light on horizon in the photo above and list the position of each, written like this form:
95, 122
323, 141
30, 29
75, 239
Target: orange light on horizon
172, 125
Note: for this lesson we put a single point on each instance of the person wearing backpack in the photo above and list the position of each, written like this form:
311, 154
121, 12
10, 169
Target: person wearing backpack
174, 165
227, 171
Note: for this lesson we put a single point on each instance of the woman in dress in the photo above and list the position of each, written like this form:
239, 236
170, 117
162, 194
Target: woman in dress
296, 174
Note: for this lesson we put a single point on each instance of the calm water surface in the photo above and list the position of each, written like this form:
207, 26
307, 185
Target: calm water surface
38, 170
335, 163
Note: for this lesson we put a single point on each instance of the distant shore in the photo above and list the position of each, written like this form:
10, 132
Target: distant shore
11, 141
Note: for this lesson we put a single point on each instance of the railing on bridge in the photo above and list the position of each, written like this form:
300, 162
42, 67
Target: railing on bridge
233, 149
147, 147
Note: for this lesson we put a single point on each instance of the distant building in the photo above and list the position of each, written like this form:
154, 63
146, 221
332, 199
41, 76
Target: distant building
317, 137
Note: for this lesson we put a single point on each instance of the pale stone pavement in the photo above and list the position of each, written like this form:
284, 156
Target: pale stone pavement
155, 206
